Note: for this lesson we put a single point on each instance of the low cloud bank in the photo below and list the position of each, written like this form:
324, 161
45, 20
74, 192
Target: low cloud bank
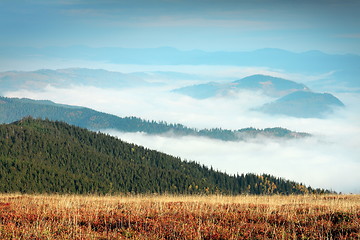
317, 162
330, 159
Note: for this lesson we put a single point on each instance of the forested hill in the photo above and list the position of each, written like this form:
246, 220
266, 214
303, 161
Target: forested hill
42, 156
14, 109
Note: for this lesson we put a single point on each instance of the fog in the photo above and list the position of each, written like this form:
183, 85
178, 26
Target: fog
329, 159
311, 161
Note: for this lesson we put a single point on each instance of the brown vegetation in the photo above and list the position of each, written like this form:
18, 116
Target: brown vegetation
179, 217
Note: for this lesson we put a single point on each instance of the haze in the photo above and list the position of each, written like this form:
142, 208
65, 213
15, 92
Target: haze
231, 25
49, 34
332, 151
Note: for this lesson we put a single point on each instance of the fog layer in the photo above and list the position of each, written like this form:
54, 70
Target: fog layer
330, 159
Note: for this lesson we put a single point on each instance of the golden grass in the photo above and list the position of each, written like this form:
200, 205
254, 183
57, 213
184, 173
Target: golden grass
179, 217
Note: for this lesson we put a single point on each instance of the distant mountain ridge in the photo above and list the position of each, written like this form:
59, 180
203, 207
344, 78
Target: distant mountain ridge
41, 156
99, 78
344, 68
37, 80
14, 109
271, 86
294, 99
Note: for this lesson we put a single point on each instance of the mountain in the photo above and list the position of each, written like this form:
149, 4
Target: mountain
295, 99
201, 91
303, 104
271, 86
41, 156
14, 109
344, 68
35, 80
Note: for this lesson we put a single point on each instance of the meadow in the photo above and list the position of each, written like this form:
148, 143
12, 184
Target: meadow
179, 217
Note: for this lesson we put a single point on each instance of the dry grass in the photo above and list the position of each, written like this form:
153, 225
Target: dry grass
179, 217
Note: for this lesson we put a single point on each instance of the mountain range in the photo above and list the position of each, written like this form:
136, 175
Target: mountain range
42, 156
37, 80
268, 85
340, 71
294, 99
14, 109
100, 78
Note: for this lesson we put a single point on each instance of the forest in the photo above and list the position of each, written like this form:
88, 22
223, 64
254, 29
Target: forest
43, 156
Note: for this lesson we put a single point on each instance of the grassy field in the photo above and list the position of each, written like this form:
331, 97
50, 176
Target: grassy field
179, 217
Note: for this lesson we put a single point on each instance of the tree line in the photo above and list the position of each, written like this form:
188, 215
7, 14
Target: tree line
13, 109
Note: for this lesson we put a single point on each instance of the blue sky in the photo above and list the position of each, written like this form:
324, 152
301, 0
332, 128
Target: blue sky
332, 26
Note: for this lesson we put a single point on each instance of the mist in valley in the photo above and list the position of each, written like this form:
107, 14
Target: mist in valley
328, 159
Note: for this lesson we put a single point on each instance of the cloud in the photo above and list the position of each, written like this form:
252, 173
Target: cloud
354, 35
171, 21
330, 159
158, 103
311, 161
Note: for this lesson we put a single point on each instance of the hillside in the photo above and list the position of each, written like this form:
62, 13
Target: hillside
303, 104
201, 91
35, 80
294, 99
14, 109
44, 156
271, 86
268, 85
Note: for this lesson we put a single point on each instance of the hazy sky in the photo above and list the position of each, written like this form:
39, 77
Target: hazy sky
331, 26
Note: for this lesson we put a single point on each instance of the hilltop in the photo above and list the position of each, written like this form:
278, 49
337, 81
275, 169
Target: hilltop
268, 85
303, 104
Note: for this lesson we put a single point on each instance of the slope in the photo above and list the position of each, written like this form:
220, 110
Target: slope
45, 156
35, 80
270, 86
303, 104
13, 109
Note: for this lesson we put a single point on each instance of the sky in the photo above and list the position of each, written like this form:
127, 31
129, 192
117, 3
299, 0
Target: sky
332, 26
